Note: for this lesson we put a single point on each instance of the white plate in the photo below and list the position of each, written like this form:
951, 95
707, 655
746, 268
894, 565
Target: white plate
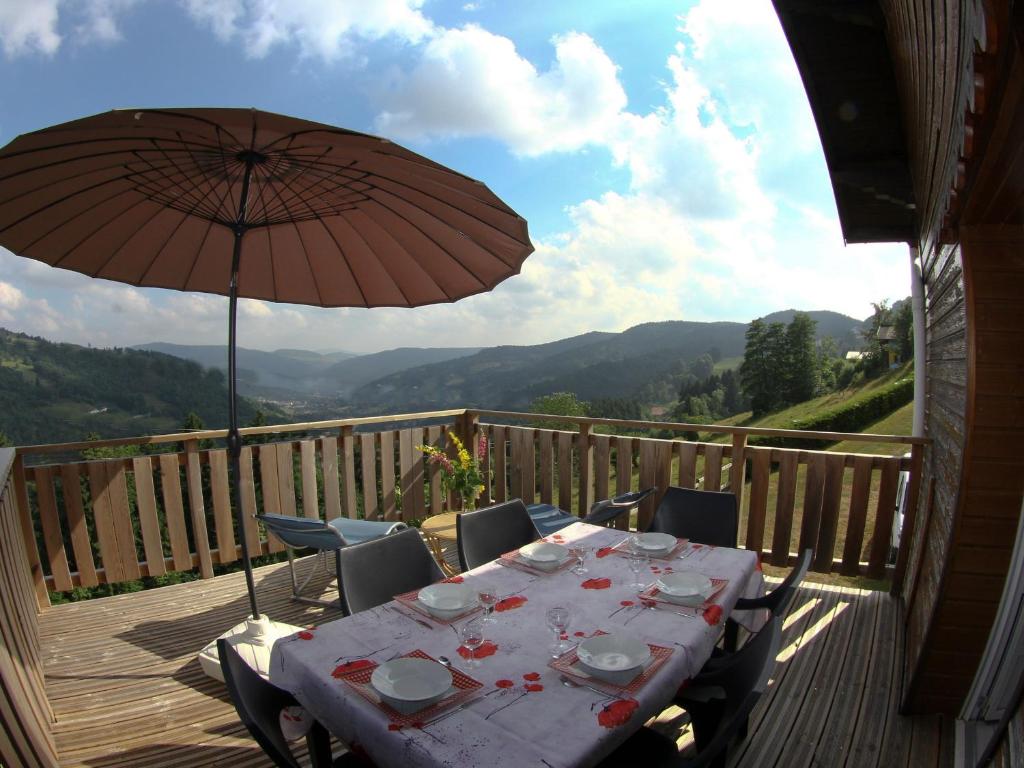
656, 542
445, 600
544, 552
613, 653
410, 684
684, 584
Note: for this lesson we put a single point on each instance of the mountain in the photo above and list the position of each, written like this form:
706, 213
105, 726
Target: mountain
290, 373
53, 392
593, 365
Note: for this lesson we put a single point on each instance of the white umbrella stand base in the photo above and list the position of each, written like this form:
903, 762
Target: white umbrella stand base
253, 639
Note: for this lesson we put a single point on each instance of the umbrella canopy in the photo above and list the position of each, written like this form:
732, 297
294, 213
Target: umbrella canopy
253, 204
331, 217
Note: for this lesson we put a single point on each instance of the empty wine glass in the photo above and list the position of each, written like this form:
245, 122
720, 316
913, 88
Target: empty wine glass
472, 634
580, 553
487, 594
637, 563
558, 622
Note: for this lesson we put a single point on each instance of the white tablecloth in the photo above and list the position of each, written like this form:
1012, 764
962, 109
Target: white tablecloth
535, 721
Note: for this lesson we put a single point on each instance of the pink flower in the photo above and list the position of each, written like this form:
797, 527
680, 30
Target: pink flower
481, 448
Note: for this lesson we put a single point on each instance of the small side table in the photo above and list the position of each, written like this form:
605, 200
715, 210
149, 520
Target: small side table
440, 531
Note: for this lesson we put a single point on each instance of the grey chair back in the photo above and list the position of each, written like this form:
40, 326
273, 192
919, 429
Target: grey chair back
259, 705
705, 517
490, 532
373, 572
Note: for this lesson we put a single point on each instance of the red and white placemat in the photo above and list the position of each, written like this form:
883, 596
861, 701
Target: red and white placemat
654, 594
622, 548
515, 560
411, 601
464, 688
566, 664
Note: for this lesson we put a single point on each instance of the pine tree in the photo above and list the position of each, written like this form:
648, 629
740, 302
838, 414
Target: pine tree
802, 367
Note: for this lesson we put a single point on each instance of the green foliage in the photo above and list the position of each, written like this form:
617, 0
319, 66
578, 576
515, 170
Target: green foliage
851, 416
59, 392
558, 404
781, 365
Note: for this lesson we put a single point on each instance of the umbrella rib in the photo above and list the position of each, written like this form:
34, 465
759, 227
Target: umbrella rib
351, 269
305, 255
195, 261
197, 193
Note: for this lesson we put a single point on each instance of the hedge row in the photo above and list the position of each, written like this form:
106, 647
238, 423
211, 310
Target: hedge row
852, 416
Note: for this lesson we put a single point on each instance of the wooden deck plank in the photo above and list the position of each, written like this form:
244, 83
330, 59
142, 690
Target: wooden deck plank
126, 689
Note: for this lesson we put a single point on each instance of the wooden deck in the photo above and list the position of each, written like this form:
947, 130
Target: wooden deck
127, 690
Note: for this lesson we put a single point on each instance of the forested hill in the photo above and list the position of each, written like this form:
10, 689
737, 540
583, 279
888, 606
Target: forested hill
53, 392
593, 366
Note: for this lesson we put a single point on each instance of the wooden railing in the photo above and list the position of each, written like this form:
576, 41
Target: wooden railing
25, 735
124, 518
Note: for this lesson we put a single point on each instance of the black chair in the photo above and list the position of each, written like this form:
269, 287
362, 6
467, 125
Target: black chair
374, 572
324, 537
488, 533
259, 706
777, 601
716, 720
705, 517
608, 511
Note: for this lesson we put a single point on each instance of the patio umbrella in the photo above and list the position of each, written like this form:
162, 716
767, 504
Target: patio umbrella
253, 204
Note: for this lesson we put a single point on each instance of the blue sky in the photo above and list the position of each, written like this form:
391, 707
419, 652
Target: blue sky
663, 153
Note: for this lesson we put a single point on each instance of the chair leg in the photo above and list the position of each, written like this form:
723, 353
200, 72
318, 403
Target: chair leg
704, 720
731, 637
318, 742
337, 571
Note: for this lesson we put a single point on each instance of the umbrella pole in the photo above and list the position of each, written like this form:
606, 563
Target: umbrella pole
234, 438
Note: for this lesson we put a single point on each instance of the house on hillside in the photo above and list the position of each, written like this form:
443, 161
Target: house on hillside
886, 337
920, 109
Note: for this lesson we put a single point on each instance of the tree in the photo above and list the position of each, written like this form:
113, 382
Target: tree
762, 372
903, 321
558, 404
802, 366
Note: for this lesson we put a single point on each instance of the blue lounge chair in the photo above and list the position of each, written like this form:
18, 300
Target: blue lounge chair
324, 537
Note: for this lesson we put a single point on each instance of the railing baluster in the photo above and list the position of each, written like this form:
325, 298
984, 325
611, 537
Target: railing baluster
102, 516
53, 539
387, 475
348, 469
585, 450
248, 487
223, 521
528, 489
78, 531
565, 472
310, 495
687, 453
547, 465
28, 531
814, 488
368, 462
859, 494
420, 508
487, 497
759, 478
831, 497
648, 477
286, 477
602, 466
884, 514
713, 466
197, 509
405, 449
500, 464
785, 504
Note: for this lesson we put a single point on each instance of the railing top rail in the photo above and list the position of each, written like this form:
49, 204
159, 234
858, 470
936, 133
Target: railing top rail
213, 434
713, 428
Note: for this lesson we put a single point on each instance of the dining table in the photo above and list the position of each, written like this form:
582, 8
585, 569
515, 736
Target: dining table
521, 713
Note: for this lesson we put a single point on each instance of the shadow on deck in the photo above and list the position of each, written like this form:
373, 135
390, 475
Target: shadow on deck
127, 690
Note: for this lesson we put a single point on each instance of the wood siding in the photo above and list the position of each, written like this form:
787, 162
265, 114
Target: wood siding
25, 715
960, 78
1010, 752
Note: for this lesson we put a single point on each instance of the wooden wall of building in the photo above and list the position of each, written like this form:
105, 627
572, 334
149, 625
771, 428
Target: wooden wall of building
960, 80
1010, 753
25, 713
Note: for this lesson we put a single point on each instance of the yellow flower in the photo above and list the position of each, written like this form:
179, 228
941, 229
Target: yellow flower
464, 459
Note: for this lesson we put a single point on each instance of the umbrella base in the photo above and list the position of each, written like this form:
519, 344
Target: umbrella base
253, 639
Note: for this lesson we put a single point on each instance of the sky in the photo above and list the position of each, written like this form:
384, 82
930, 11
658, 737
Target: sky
663, 153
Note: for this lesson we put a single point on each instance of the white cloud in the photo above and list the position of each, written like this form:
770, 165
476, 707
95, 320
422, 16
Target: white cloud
471, 82
323, 28
27, 27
